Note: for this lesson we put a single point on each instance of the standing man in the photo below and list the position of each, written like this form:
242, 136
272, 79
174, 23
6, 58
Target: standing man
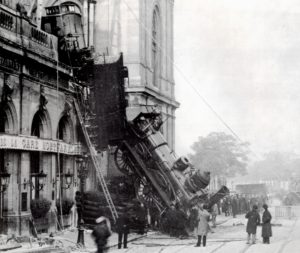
78, 201
234, 204
203, 227
123, 226
214, 212
266, 231
253, 220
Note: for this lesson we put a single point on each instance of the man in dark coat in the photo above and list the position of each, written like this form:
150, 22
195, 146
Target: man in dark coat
253, 220
78, 201
266, 231
101, 232
123, 226
234, 204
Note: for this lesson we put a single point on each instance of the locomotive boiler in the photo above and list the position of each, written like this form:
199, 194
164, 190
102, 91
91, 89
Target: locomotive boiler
161, 177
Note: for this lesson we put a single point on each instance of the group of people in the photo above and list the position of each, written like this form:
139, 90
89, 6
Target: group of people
102, 229
240, 204
254, 220
253, 217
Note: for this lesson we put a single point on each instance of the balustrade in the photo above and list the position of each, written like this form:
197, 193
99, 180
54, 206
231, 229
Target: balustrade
26, 34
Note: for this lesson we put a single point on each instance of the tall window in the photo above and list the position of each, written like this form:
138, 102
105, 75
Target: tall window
36, 156
3, 121
156, 47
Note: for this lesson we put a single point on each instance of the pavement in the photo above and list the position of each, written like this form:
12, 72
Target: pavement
229, 236
65, 241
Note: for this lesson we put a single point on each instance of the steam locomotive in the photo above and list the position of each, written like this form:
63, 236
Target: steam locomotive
162, 178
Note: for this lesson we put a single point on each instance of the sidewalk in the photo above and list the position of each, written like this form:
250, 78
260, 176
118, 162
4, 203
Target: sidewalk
62, 242
69, 240
66, 241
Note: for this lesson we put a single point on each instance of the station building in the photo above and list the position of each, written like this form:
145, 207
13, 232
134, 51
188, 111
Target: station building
41, 145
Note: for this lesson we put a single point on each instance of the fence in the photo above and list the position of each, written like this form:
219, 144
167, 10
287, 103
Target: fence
287, 212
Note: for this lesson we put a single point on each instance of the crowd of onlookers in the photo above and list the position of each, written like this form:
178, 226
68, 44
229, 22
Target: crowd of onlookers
240, 204
175, 222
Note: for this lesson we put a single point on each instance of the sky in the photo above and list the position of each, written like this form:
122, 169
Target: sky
243, 58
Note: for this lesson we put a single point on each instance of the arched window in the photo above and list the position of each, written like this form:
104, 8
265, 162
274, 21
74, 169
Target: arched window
40, 127
155, 54
64, 163
3, 122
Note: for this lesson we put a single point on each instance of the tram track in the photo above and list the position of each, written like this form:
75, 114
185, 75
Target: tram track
283, 246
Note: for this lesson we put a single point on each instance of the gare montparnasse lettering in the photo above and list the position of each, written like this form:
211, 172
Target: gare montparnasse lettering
32, 144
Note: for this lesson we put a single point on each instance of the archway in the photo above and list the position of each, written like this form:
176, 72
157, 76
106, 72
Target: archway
40, 128
8, 158
65, 132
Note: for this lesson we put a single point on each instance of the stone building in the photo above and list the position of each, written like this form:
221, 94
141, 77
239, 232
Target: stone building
39, 140
143, 31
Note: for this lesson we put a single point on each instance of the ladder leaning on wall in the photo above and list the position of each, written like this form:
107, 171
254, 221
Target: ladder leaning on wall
96, 163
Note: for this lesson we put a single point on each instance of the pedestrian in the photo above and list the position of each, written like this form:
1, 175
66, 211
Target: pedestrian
140, 218
78, 201
253, 220
214, 213
101, 233
123, 228
203, 227
181, 220
266, 231
234, 204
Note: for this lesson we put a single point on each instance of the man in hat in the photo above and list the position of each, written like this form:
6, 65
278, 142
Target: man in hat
123, 227
253, 220
266, 231
101, 232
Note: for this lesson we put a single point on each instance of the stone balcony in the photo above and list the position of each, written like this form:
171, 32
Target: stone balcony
27, 39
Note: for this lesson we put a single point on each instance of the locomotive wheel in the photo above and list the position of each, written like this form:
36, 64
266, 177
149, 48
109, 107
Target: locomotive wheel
146, 194
123, 161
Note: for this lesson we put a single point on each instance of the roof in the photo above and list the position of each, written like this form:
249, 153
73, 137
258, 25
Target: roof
251, 189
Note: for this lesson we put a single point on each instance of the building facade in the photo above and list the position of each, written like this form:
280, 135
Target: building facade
143, 31
41, 146
39, 140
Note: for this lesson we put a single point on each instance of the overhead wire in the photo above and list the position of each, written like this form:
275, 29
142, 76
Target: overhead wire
184, 76
203, 99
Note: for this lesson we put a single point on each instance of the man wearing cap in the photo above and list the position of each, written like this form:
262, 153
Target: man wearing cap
266, 231
101, 232
253, 220
123, 227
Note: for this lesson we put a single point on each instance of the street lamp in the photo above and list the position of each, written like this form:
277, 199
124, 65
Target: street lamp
68, 179
82, 172
41, 176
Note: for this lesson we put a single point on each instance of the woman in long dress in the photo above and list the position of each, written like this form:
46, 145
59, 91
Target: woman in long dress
203, 227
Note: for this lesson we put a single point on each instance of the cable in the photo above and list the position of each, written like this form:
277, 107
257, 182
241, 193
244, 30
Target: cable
185, 77
217, 115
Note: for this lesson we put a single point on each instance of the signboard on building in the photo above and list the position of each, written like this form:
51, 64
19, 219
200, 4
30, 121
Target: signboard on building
31, 143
